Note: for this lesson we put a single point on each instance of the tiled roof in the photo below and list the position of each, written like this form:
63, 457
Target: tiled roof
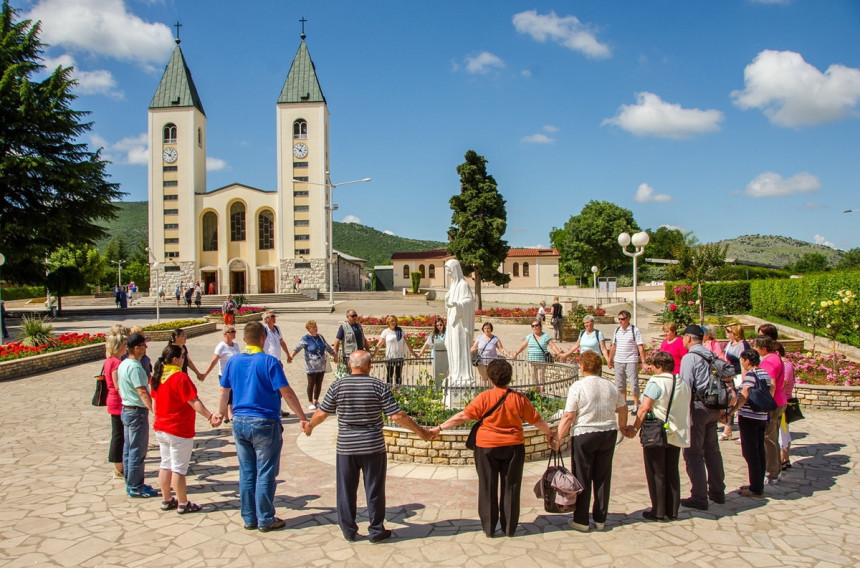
302, 85
176, 88
437, 253
533, 252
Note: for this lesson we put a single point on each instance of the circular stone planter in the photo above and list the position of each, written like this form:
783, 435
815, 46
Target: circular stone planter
450, 448
190, 331
507, 321
377, 329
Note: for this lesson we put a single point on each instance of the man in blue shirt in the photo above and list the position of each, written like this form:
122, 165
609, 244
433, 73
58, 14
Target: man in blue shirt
258, 383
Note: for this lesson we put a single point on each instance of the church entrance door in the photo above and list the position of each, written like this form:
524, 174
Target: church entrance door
210, 281
267, 281
237, 282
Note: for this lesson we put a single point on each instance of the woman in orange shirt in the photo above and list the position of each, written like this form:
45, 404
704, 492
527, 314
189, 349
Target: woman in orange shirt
500, 454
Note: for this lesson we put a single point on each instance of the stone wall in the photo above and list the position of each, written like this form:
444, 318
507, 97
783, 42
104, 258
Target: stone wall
314, 277
49, 361
190, 331
827, 397
450, 448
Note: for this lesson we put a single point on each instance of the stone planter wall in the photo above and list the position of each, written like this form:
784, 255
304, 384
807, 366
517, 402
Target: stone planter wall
828, 397
190, 331
373, 330
450, 448
49, 361
508, 321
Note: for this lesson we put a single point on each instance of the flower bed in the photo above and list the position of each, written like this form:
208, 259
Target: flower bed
192, 328
45, 362
508, 313
16, 350
403, 321
240, 312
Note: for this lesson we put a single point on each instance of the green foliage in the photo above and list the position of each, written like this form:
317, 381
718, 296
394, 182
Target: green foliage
591, 239
774, 250
86, 258
698, 263
416, 280
850, 259
662, 242
240, 300
720, 297
171, 325
23, 292
791, 298
63, 281
681, 309
35, 331
375, 246
742, 272
54, 189
478, 223
811, 262
131, 226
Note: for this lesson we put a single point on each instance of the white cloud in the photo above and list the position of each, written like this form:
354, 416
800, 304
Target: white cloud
567, 31
770, 184
645, 194
820, 240
132, 150
550, 128
526, 73
791, 92
388, 232
102, 27
215, 164
813, 205
538, 139
100, 82
651, 116
483, 63
674, 227
351, 219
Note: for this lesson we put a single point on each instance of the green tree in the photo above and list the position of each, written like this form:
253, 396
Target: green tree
86, 258
699, 264
811, 262
63, 281
851, 259
477, 225
663, 241
55, 189
591, 238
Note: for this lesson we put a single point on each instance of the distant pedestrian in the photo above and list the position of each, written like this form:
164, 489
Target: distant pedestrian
228, 308
198, 297
178, 293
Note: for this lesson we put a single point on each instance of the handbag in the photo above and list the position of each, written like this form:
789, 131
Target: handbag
471, 441
558, 487
547, 356
476, 357
792, 411
653, 430
101, 392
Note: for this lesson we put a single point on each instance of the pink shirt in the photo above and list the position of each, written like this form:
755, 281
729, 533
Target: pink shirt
114, 402
788, 372
716, 348
772, 364
676, 349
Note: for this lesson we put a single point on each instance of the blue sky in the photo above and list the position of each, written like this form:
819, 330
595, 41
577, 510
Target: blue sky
724, 118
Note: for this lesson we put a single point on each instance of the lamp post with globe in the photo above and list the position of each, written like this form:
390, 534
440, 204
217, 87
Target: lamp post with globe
639, 240
594, 272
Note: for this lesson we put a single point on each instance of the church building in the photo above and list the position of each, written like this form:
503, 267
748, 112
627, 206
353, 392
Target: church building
240, 239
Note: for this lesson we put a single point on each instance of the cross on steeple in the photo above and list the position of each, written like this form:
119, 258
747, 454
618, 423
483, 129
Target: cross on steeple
177, 25
303, 20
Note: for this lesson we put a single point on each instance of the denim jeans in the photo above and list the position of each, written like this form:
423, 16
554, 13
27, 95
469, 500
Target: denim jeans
258, 447
135, 425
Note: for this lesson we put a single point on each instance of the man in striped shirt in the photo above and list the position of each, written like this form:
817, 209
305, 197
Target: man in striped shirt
625, 354
360, 401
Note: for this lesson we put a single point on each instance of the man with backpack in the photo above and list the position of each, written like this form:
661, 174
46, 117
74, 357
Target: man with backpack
625, 354
703, 459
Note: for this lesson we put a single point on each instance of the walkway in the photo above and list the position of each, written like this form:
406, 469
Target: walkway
59, 505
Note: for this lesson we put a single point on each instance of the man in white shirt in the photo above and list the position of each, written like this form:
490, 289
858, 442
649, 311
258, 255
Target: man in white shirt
275, 341
625, 354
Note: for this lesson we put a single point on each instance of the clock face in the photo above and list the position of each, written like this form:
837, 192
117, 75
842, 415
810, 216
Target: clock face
300, 150
170, 155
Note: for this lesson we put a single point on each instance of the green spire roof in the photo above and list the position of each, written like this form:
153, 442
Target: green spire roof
176, 88
302, 85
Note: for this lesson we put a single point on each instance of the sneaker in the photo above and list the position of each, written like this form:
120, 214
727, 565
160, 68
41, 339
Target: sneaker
277, 524
144, 493
312, 406
381, 537
772, 481
599, 526
578, 527
691, 504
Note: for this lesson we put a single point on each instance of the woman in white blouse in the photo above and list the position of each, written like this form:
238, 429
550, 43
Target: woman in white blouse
396, 345
596, 411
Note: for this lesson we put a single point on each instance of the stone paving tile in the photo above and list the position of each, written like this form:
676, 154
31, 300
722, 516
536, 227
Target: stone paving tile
59, 505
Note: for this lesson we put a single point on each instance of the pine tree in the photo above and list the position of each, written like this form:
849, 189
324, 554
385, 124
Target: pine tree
54, 189
477, 225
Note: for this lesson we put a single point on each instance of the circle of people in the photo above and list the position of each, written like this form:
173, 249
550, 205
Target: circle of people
253, 382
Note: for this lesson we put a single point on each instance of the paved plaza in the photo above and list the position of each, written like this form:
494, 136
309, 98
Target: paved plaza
60, 505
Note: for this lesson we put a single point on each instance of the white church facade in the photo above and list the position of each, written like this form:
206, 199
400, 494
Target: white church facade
240, 239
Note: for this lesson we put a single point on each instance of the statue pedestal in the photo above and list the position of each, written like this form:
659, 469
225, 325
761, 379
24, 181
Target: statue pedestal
440, 363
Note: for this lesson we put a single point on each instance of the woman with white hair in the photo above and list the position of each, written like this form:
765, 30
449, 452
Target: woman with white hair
590, 339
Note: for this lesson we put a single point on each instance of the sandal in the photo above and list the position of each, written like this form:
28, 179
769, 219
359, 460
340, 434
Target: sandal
188, 507
723, 437
168, 505
786, 465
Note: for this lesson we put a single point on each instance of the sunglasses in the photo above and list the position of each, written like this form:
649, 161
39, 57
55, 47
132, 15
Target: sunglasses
623, 319
352, 315
535, 325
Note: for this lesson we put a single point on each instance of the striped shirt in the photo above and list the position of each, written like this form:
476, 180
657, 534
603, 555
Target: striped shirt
750, 379
626, 344
538, 348
359, 401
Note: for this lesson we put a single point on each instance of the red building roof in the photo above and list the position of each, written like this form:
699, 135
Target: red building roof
437, 253
532, 252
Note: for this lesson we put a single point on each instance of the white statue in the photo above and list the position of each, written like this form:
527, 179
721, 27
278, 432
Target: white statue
460, 305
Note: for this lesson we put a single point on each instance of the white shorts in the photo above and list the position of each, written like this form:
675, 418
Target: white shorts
175, 452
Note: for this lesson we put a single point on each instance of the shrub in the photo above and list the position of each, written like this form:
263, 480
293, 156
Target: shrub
416, 281
171, 325
23, 292
720, 297
681, 309
240, 300
35, 331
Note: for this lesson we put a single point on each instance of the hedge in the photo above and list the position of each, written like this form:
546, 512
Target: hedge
23, 292
719, 297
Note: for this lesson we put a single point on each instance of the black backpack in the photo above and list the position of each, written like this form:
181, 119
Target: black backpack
760, 399
716, 394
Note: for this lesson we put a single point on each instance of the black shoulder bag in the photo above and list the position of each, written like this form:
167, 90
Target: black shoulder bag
471, 441
653, 430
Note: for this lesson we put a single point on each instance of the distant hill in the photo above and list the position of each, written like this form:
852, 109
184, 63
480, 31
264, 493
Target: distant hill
774, 250
356, 240
375, 246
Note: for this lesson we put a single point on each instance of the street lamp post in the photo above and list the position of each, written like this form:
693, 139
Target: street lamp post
118, 272
639, 241
329, 208
594, 272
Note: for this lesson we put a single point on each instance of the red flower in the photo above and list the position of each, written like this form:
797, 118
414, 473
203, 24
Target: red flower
673, 307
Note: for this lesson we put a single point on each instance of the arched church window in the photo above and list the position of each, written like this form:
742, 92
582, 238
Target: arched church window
432, 271
266, 230
169, 134
300, 129
237, 221
406, 272
525, 269
516, 269
210, 231
421, 270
